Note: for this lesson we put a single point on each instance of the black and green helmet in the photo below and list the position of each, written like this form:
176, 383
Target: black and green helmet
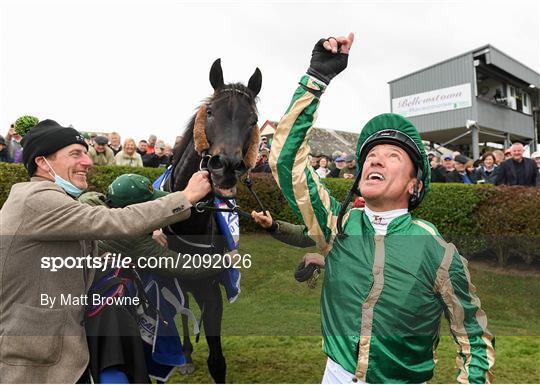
395, 129
391, 129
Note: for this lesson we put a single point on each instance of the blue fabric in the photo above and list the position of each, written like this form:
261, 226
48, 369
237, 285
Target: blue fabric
163, 347
113, 375
229, 225
230, 279
158, 183
466, 179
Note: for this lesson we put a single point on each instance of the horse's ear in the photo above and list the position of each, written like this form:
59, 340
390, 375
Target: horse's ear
216, 75
255, 82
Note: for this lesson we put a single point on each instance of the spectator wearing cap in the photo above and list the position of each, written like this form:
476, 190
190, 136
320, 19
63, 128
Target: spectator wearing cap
448, 163
517, 170
158, 158
264, 143
262, 162
339, 164
168, 150
4, 154
112, 351
46, 342
461, 174
100, 153
349, 171
128, 156
536, 157
486, 172
115, 142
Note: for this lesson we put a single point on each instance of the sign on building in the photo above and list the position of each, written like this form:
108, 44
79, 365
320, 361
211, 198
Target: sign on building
444, 99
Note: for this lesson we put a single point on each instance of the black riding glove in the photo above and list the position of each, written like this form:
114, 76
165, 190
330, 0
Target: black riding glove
324, 64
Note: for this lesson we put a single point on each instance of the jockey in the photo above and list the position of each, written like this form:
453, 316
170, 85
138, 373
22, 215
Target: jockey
389, 277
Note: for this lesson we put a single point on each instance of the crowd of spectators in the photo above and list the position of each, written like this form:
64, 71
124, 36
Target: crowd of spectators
103, 150
510, 167
497, 167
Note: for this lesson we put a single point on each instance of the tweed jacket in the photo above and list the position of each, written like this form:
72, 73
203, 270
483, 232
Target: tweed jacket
45, 342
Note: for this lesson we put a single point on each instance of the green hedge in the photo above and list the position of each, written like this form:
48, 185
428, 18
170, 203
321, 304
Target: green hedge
503, 221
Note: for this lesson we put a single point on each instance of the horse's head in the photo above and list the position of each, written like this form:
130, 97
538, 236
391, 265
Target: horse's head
225, 130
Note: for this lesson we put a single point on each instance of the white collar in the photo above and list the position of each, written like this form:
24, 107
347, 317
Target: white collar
381, 219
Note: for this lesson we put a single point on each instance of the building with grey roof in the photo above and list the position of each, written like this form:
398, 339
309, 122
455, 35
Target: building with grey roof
481, 96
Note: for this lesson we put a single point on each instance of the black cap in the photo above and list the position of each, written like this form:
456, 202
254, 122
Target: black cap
46, 138
461, 159
101, 139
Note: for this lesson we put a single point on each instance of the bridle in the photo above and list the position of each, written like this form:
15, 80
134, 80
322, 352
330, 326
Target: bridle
208, 205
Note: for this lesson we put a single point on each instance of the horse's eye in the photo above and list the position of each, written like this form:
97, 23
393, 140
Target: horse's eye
254, 121
208, 111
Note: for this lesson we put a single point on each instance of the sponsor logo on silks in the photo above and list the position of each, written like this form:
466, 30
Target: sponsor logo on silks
377, 220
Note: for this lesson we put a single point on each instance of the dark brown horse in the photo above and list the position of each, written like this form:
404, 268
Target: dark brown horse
222, 137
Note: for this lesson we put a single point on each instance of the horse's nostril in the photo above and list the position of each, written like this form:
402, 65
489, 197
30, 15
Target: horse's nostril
215, 163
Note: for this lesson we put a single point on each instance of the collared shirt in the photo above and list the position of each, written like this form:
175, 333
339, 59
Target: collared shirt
380, 220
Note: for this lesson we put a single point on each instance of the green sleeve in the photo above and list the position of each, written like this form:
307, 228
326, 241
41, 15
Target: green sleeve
289, 161
468, 325
294, 235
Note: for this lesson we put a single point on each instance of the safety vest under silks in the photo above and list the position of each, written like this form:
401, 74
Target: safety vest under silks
382, 296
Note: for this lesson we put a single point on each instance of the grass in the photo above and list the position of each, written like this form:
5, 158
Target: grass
271, 334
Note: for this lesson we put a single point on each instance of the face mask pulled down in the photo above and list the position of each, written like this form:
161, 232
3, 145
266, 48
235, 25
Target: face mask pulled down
68, 187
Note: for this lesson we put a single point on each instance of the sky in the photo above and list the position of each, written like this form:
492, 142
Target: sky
141, 67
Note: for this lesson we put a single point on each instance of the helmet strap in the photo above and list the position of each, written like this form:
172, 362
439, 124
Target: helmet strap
416, 191
354, 190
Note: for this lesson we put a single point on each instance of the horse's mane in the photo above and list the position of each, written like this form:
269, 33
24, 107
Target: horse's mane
229, 91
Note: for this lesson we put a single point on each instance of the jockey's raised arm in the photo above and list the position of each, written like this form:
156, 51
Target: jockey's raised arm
289, 156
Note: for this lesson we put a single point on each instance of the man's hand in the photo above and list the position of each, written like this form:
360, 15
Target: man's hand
329, 57
265, 221
160, 238
314, 259
198, 187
